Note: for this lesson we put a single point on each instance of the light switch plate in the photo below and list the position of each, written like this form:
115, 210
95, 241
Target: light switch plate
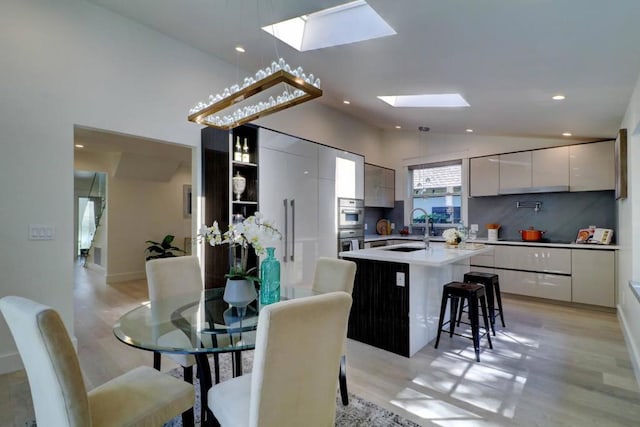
42, 232
400, 278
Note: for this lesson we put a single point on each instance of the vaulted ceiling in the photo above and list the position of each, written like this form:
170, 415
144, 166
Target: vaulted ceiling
506, 57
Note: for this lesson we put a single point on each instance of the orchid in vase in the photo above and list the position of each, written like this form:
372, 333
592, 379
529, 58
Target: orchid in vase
255, 232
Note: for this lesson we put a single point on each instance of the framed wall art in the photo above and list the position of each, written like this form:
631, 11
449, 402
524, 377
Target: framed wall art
621, 164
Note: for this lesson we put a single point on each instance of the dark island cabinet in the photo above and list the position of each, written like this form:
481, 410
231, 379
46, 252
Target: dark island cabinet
380, 310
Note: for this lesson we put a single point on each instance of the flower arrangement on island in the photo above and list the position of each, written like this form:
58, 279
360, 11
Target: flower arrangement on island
254, 231
452, 236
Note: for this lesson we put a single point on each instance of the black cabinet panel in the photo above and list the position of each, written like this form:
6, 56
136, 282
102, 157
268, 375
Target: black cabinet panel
380, 310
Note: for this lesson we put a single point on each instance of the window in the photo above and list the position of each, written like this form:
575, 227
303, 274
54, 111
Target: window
437, 189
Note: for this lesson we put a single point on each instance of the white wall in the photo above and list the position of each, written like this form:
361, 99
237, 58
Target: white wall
67, 63
629, 234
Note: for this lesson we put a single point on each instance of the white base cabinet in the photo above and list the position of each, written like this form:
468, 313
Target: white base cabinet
585, 276
593, 282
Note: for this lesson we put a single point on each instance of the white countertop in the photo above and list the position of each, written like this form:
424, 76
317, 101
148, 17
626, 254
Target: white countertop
572, 245
437, 256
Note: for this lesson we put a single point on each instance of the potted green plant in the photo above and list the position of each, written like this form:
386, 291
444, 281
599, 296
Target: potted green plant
162, 249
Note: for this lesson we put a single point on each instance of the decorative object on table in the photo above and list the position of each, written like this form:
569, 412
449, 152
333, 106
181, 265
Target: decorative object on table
452, 237
239, 183
162, 249
299, 88
531, 234
404, 231
270, 279
492, 231
253, 232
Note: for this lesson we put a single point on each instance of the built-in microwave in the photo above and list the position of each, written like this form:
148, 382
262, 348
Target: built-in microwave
350, 213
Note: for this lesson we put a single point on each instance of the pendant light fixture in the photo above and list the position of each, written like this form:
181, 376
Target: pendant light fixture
299, 88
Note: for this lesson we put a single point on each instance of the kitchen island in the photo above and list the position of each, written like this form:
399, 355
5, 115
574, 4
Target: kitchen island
398, 291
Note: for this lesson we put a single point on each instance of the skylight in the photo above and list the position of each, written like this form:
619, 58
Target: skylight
433, 100
347, 23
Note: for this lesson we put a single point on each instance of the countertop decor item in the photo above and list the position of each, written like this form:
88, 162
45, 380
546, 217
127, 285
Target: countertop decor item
452, 236
305, 88
531, 234
255, 232
383, 227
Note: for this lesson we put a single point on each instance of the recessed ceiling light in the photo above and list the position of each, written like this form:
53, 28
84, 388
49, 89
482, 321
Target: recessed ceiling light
346, 101
398, 127
240, 49
427, 100
558, 97
469, 130
78, 145
566, 133
343, 24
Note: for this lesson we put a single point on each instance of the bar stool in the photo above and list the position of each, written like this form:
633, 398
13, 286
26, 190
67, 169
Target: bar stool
473, 293
492, 287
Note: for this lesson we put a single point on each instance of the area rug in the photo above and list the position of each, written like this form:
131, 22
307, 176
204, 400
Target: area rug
358, 413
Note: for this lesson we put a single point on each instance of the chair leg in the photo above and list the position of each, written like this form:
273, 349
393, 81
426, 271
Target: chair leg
188, 418
342, 376
188, 374
486, 320
452, 315
475, 332
499, 298
461, 310
156, 360
216, 367
443, 308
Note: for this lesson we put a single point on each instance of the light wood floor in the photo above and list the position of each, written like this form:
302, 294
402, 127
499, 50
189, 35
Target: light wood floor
551, 366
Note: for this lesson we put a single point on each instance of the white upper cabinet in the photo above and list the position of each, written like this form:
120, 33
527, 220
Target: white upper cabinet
379, 186
550, 168
515, 172
484, 173
592, 166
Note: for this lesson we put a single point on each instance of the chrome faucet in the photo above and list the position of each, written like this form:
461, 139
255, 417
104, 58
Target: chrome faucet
426, 227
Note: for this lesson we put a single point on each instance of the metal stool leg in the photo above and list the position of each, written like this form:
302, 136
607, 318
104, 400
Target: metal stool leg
443, 309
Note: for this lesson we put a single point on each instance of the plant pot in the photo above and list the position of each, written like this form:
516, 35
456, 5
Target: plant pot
239, 293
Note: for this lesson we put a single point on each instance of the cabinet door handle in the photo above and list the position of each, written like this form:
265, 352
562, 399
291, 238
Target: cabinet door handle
286, 230
293, 228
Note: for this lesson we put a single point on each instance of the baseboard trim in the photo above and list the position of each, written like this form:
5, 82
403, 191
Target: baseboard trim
634, 352
125, 277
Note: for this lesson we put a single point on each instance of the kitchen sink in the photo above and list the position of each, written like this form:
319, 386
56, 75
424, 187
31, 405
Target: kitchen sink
404, 249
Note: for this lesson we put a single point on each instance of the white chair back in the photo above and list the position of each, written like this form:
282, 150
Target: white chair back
55, 378
298, 350
333, 275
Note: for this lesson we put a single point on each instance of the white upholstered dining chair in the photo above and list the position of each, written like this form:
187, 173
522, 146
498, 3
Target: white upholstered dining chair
336, 275
140, 397
293, 381
172, 277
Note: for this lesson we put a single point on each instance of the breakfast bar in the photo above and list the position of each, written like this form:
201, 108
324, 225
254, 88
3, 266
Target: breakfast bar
398, 290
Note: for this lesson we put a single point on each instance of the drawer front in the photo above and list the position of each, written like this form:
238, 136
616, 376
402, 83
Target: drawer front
540, 285
484, 260
538, 259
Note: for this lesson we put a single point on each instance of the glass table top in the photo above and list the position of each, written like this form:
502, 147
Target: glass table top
189, 322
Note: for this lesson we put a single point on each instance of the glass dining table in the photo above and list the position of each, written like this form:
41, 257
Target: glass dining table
199, 324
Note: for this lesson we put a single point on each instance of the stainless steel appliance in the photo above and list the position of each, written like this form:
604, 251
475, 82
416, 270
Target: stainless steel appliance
350, 213
350, 239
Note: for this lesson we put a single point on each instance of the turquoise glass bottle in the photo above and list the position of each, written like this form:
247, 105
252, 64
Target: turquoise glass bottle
270, 279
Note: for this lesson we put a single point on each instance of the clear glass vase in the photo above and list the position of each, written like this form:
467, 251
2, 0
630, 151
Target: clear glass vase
270, 279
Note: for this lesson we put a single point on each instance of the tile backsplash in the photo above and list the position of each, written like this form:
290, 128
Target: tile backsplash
561, 215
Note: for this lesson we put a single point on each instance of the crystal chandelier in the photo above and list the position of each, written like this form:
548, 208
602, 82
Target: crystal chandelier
304, 88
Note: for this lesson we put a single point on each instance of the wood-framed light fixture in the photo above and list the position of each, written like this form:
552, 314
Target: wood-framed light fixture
306, 89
